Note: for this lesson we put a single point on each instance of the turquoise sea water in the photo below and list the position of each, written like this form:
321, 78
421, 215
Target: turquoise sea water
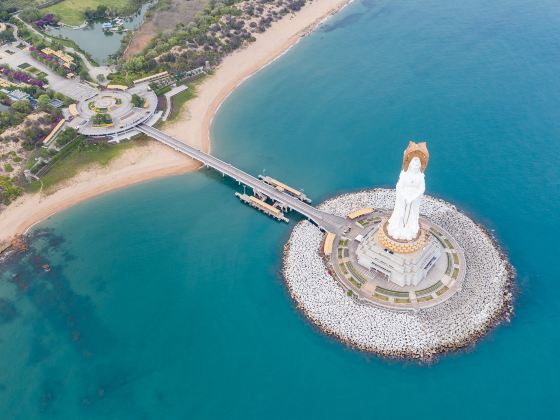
165, 299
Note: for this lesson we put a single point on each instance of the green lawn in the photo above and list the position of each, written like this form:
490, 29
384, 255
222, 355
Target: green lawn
178, 101
79, 159
20, 4
71, 12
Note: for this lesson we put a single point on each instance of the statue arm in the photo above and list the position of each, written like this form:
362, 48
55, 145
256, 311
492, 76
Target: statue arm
411, 194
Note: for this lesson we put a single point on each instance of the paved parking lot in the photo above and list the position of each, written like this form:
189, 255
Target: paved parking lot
13, 57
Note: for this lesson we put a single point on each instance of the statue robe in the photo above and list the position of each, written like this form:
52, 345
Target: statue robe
403, 223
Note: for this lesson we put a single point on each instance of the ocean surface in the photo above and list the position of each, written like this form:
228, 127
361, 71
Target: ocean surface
165, 300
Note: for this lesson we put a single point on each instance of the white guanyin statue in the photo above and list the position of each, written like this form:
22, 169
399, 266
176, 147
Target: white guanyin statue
403, 224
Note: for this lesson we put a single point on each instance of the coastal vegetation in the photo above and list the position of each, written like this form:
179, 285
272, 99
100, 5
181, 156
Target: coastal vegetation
20, 109
162, 17
9, 191
197, 43
24, 123
81, 154
219, 29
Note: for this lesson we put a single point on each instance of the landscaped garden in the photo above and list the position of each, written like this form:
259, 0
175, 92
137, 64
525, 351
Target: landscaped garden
102, 120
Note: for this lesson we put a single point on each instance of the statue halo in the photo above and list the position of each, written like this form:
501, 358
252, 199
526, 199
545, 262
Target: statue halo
419, 150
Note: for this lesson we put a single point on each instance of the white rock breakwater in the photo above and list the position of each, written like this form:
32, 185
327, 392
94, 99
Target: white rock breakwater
484, 300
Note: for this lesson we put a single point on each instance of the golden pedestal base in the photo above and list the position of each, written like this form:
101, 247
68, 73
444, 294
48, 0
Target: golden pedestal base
400, 247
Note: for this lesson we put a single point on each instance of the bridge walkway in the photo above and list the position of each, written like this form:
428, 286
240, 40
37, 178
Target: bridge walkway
326, 221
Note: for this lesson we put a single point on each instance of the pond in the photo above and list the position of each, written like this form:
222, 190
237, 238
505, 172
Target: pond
97, 42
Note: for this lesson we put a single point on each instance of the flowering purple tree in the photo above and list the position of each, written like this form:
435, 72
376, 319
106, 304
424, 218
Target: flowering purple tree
47, 20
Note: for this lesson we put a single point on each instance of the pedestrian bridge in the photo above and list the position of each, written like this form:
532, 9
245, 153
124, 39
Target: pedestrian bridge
326, 221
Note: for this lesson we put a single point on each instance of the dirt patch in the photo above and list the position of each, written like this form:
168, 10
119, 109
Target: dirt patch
142, 36
165, 18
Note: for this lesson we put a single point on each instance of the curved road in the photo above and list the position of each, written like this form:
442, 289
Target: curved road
93, 71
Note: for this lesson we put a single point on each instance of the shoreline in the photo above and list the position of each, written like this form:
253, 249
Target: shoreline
192, 126
407, 332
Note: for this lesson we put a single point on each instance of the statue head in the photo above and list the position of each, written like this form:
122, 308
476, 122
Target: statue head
417, 151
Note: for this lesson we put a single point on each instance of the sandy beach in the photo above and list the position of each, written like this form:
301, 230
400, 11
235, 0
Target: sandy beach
192, 126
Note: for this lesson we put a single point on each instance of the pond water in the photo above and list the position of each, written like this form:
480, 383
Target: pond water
100, 44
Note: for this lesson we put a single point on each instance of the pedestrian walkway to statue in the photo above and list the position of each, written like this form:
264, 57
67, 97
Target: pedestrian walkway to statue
283, 199
343, 236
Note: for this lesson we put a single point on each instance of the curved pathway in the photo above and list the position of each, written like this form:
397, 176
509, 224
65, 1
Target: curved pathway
94, 71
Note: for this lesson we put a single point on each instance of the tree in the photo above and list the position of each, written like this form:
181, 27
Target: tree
98, 13
43, 100
84, 75
8, 191
66, 136
30, 14
137, 101
101, 119
136, 64
7, 36
101, 10
41, 44
4, 15
22, 106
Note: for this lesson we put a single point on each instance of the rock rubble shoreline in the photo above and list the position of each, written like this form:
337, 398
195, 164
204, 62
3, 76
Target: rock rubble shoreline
484, 301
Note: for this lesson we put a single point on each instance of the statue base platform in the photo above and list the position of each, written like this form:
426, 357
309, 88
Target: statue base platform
402, 247
404, 263
450, 309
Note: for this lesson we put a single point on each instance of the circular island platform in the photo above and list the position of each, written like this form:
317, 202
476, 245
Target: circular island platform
466, 293
114, 111
444, 279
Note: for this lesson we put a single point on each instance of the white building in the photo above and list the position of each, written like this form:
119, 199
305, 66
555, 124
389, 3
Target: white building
404, 269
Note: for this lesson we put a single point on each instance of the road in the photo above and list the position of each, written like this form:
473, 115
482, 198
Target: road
14, 57
94, 71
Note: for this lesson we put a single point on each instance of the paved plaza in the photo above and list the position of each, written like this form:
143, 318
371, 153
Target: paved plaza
371, 286
117, 104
